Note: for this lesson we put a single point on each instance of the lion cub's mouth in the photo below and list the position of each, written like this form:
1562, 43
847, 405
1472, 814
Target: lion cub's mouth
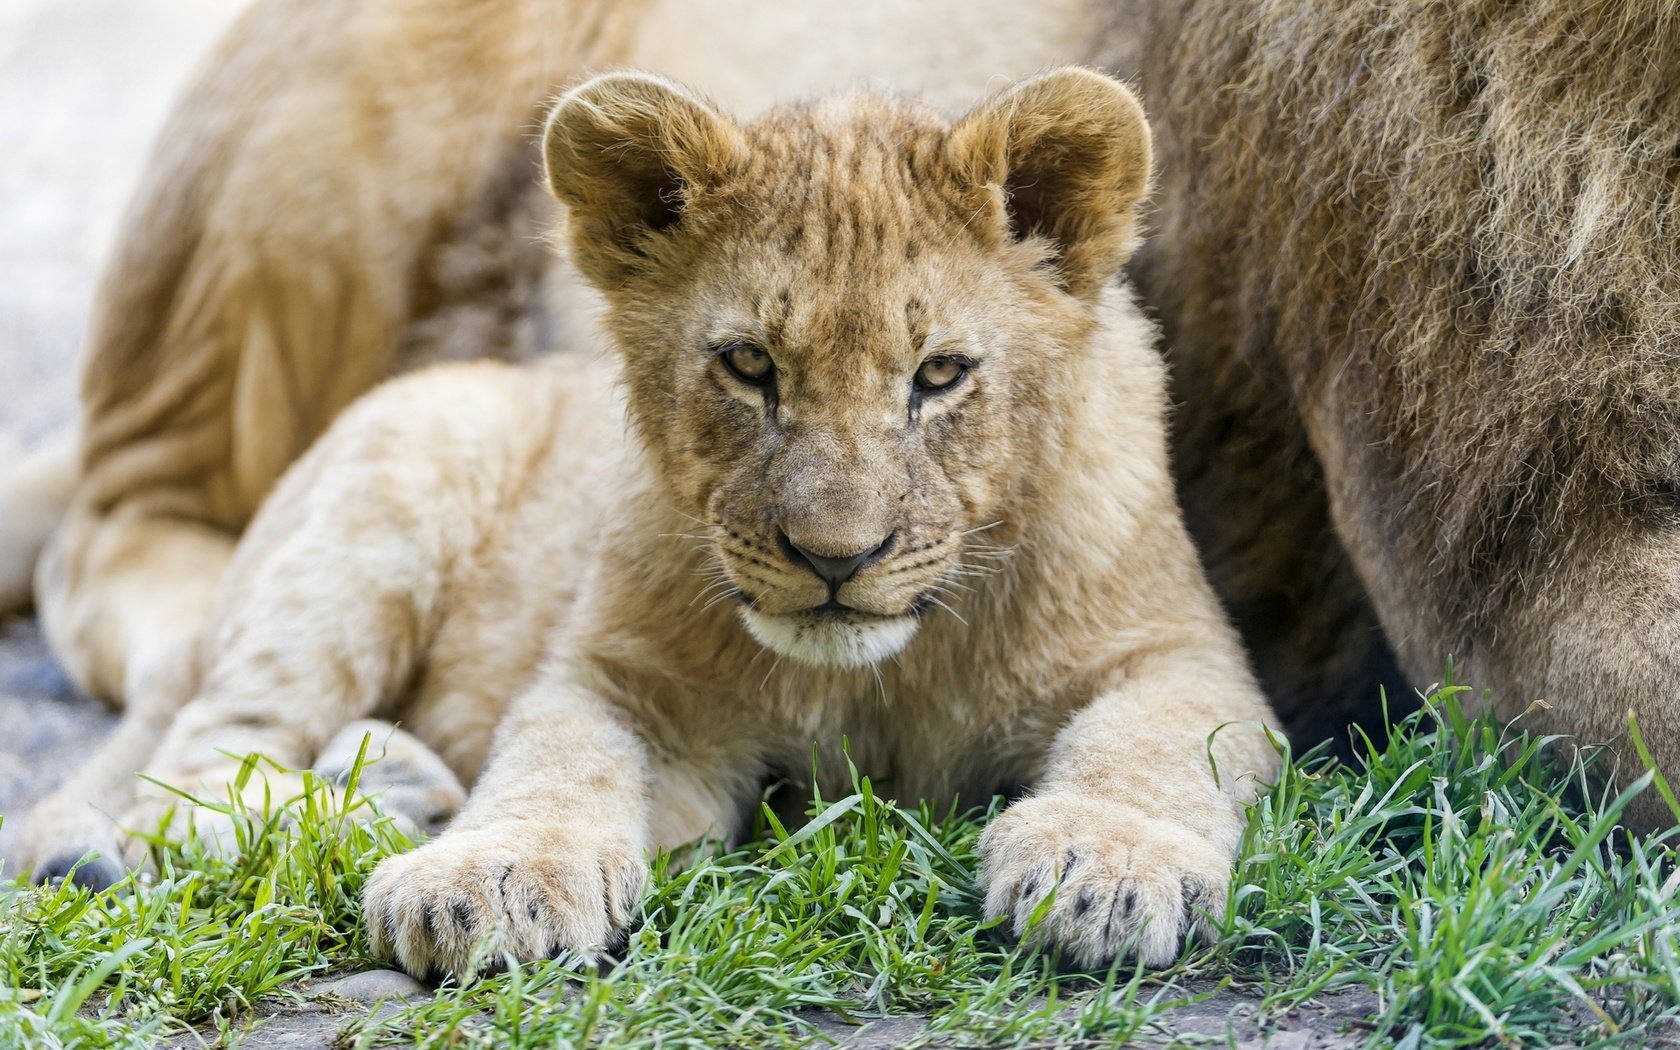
831, 634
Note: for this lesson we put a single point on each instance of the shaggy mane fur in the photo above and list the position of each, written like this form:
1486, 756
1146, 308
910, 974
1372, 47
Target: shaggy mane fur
1423, 257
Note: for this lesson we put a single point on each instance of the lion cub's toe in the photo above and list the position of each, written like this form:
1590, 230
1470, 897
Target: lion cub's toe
1125, 882
469, 899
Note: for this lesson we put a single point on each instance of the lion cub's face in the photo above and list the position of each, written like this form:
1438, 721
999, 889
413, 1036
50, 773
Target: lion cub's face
848, 327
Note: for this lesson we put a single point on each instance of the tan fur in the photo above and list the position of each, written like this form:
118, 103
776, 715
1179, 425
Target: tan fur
576, 577
1419, 266
34, 494
1416, 267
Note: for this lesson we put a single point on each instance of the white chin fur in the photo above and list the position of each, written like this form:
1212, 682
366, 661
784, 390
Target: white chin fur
829, 642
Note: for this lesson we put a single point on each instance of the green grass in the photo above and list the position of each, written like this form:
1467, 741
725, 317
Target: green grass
1479, 886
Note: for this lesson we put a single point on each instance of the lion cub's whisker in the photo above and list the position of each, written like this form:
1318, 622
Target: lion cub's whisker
777, 662
934, 598
725, 596
727, 585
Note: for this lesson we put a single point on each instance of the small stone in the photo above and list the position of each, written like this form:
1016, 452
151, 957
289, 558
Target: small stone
371, 986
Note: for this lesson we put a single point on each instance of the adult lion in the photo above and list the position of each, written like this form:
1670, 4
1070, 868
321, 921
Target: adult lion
1417, 266
1420, 269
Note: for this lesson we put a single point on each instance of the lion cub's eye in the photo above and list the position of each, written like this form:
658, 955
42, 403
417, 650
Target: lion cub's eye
749, 363
940, 372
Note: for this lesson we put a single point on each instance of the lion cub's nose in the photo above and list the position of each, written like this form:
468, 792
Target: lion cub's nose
832, 569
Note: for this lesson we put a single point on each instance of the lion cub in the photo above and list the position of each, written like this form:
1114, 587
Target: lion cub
877, 455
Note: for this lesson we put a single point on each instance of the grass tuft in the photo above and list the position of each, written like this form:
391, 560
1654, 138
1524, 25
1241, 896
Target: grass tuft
1465, 876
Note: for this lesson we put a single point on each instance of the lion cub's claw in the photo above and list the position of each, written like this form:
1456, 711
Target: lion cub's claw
1125, 882
463, 903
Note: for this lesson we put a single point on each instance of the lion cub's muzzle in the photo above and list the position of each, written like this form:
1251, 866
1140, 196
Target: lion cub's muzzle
829, 602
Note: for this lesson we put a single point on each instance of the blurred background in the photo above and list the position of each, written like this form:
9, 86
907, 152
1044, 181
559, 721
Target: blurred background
85, 84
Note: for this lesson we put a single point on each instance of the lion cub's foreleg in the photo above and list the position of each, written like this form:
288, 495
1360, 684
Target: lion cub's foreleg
1129, 827
547, 855
550, 852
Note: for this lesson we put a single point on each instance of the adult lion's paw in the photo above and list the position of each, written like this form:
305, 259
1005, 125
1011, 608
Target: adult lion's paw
469, 898
1126, 882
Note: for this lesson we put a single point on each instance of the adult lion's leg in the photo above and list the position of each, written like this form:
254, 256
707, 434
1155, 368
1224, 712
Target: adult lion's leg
1560, 601
263, 276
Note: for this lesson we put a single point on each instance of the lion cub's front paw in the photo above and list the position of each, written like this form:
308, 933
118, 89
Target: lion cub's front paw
1126, 882
469, 898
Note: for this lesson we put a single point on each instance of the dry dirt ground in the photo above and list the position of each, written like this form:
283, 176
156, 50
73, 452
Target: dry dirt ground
85, 84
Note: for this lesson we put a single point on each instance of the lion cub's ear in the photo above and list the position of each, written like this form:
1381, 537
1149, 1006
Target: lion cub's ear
627, 153
1067, 153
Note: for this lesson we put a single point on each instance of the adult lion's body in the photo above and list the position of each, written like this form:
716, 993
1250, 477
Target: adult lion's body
1420, 268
